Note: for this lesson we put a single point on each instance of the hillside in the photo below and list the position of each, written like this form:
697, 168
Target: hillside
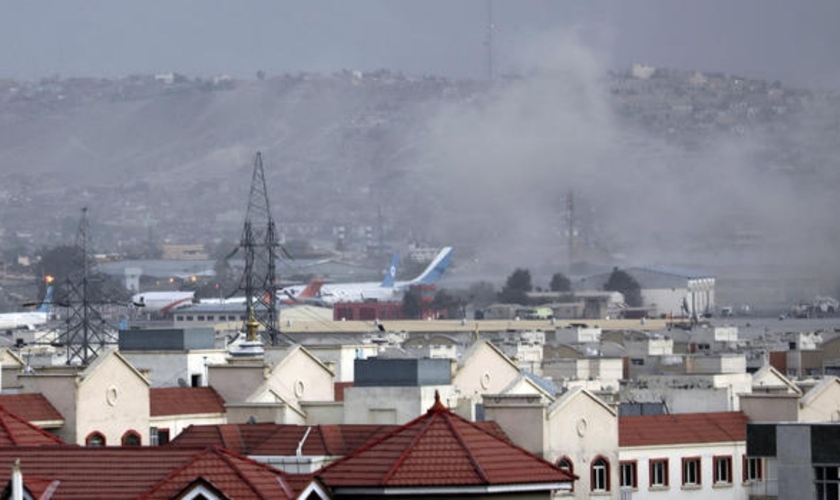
665, 166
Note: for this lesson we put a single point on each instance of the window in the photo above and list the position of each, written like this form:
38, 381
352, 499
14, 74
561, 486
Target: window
566, 464
162, 436
628, 474
659, 473
95, 439
691, 471
600, 480
637, 361
723, 470
131, 438
827, 481
752, 469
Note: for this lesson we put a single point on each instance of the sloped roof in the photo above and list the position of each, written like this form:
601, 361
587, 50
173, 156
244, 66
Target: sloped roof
281, 439
234, 475
816, 391
167, 401
441, 450
33, 407
684, 428
17, 431
268, 439
143, 472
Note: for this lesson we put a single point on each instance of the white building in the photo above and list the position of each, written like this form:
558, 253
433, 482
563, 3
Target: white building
699, 456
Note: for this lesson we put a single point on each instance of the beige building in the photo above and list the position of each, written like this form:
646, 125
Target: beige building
273, 387
483, 369
106, 403
577, 431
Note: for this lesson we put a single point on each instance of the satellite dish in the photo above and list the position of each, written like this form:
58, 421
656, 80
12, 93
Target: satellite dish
252, 420
182, 383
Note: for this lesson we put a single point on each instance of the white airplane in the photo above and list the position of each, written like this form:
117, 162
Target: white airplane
162, 302
388, 289
29, 319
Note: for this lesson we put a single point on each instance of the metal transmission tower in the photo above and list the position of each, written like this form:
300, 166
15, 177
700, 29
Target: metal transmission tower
86, 330
259, 243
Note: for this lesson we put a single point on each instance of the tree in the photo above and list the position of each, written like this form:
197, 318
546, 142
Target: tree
620, 281
517, 287
560, 283
481, 294
452, 304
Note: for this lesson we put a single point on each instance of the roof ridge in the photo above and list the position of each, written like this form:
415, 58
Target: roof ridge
404, 455
226, 457
4, 412
5, 425
478, 468
173, 473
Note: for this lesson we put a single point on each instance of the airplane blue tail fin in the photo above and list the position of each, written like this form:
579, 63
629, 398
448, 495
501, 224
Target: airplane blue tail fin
46, 305
436, 269
391, 272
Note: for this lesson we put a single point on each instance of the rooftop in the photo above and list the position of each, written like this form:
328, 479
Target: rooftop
684, 428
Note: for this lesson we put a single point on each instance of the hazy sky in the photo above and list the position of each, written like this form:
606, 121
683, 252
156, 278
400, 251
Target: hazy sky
796, 42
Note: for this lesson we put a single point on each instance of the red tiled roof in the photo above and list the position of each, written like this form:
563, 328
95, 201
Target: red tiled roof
143, 472
167, 401
440, 449
281, 439
33, 407
683, 428
234, 475
16, 431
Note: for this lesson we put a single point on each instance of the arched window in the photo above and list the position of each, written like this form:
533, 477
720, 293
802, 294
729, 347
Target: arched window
600, 475
566, 464
131, 438
95, 439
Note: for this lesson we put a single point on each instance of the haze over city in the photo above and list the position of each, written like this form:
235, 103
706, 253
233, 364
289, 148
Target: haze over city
489, 169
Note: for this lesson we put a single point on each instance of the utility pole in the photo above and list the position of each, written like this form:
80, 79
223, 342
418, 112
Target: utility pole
259, 243
86, 332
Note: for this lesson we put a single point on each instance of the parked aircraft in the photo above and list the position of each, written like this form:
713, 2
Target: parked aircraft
162, 302
29, 319
389, 288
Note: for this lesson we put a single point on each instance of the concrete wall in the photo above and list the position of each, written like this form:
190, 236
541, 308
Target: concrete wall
235, 382
770, 407
665, 300
522, 418
323, 413
392, 405
165, 368
60, 391
277, 413
343, 357
793, 459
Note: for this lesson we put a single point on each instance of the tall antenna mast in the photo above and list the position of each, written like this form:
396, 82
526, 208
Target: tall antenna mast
570, 227
259, 242
86, 332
